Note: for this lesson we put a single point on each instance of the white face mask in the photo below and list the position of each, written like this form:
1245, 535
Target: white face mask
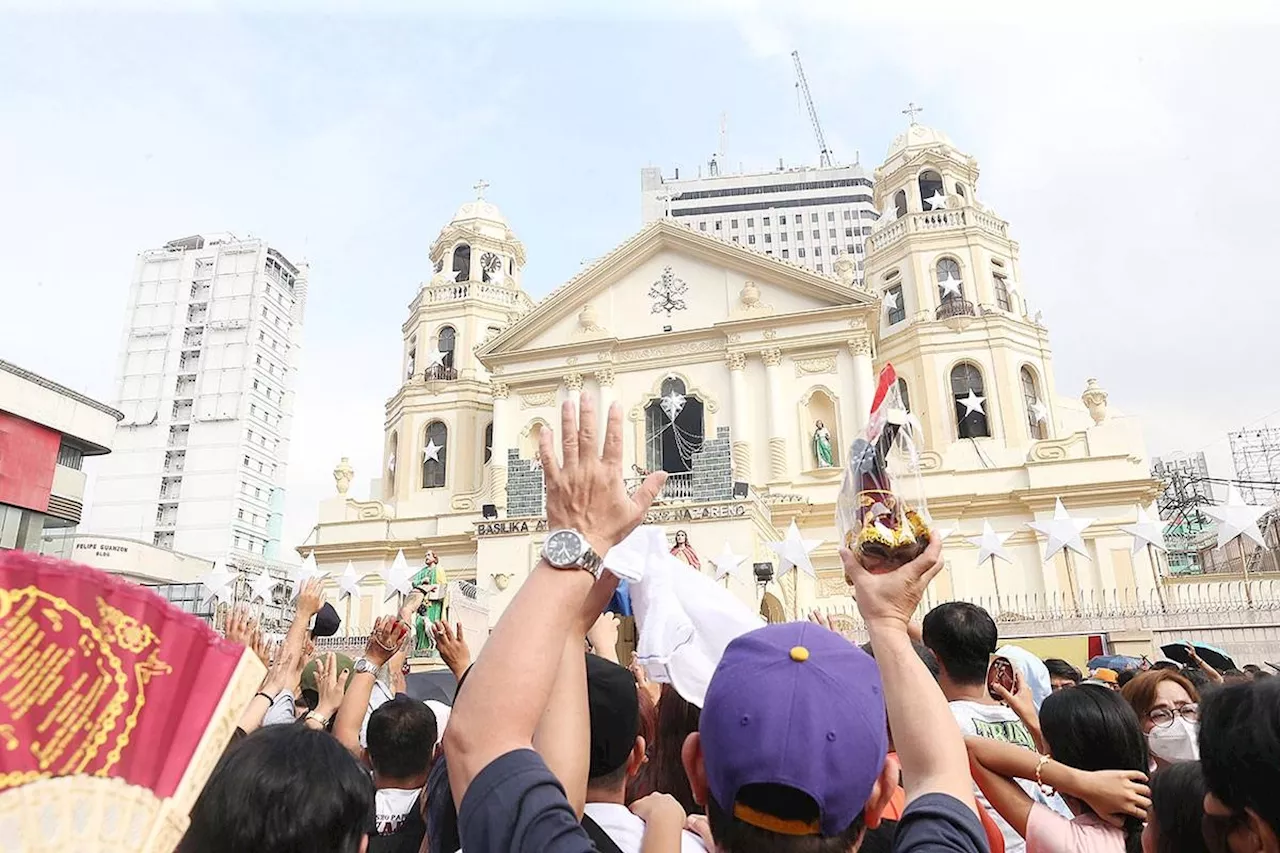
1176, 741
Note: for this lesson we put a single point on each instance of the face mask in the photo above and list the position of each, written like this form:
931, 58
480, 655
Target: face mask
1176, 741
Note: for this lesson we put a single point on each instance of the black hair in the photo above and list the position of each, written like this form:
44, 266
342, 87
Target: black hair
964, 637
1058, 668
309, 698
734, 835
1177, 808
1167, 664
283, 788
1198, 678
926, 655
1094, 728
1125, 676
1240, 747
401, 738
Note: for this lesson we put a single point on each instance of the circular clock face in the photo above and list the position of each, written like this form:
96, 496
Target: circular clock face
490, 262
564, 548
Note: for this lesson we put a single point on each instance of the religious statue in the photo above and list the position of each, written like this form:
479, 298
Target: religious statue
684, 552
429, 582
342, 475
822, 445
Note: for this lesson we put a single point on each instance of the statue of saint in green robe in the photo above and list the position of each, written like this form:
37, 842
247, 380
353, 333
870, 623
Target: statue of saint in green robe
822, 446
431, 577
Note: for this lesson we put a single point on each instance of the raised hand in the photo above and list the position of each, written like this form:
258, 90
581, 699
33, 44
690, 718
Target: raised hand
819, 618
603, 636
330, 684
388, 633
586, 491
241, 626
285, 671
1115, 794
892, 596
453, 648
261, 647
310, 597
641, 675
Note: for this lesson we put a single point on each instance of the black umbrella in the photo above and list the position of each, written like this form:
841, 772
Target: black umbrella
436, 684
1212, 655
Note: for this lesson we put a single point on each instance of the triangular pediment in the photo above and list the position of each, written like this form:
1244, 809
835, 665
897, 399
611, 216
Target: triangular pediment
669, 278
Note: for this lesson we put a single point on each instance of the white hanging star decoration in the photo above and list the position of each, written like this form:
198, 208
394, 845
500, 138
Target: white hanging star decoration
727, 562
891, 300
950, 286
396, 578
303, 573
937, 201
793, 551
262, 585
990, 544
435, 358
972, 403
1236, 518
673, 404
1147, 531
1039, 411
349, 581
218, 583
432, 451
944, 532
889, 213
1063, 531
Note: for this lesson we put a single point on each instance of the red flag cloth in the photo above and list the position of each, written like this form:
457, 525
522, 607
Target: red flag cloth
101, 677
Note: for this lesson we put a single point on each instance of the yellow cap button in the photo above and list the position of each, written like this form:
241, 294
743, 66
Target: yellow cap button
799, 654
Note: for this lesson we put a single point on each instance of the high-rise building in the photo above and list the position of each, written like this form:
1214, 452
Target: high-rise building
808, 216
205, 381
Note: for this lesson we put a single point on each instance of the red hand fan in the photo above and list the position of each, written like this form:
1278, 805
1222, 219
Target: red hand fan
114, 708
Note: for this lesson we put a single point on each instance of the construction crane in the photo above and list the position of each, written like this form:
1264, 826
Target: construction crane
824, 153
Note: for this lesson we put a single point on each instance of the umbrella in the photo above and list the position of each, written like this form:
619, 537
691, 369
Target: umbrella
1212, 655
1119, 663
437, 684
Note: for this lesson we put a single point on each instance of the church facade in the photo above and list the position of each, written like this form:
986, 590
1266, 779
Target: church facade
746, 378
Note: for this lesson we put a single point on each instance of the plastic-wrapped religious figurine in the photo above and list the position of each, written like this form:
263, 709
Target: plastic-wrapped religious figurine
822, 445
430, 581
684, 552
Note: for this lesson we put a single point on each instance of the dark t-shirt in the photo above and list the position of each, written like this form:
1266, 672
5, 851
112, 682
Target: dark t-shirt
515, 804
939, 823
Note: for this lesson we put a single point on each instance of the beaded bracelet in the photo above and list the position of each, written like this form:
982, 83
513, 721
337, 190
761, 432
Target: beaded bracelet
1047, 790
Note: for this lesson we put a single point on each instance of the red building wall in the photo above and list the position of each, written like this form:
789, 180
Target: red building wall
28, 453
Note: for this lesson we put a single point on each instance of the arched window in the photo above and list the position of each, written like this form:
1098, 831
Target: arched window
488, 443
949, 284
1037, 413
411, 363
961, 191
673, 429
900, 203
462, 262
931, 192
970, 401
446, 342
434, 455
903, 395
391, 462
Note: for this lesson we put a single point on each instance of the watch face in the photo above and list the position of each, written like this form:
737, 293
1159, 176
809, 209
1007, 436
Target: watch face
564, 548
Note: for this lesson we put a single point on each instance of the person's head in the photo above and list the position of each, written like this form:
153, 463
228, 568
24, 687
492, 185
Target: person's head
819, 424
676, 719
617, 749
1240, 756
283, 788
1125, 677
1167, 664
306, 703
964, 637
926, 656
791, 751
1175, 819
1093, 728
1197, 678
1061, 674
1235, 676
682, 538
1252, 668
1167, 709
401, 740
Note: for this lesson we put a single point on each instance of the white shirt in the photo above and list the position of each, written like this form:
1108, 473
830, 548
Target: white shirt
627, 830
998, 722
392, 806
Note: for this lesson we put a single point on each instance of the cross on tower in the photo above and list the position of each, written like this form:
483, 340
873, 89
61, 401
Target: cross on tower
911, 110
480, 186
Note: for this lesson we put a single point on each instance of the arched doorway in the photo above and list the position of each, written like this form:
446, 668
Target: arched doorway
674, 426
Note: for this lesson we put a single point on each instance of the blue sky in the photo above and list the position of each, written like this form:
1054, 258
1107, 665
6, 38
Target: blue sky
1129, 153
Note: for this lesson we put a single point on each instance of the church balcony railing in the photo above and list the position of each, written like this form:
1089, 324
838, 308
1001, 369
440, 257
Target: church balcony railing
486, 291
679, 487
440, 373
955, 307
936, 220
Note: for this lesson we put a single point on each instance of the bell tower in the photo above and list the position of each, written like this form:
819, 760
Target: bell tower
439, 425
975, 369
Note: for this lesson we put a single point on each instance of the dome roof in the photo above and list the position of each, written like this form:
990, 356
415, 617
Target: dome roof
918, 136
480, 209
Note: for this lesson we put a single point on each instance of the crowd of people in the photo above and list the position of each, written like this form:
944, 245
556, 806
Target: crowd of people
803, 742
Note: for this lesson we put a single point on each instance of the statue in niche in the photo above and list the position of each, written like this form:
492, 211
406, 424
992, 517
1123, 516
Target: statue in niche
822, 445
684, 552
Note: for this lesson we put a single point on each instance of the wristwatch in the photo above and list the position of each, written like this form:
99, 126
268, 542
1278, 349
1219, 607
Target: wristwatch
313, 715
366, 666
568, 549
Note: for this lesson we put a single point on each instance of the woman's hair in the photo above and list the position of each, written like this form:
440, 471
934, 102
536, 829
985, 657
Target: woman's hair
1093, 728
1141, 692
283, 788
648, 731
676, 720
1177, 808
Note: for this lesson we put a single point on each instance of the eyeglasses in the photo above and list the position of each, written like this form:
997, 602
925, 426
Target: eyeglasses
1166, 716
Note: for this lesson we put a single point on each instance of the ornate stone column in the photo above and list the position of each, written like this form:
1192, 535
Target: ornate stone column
501, 441
864, 383
772, 359
740, 399
604, 378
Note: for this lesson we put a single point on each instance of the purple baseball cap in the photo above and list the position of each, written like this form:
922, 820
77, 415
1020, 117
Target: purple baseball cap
795, 704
